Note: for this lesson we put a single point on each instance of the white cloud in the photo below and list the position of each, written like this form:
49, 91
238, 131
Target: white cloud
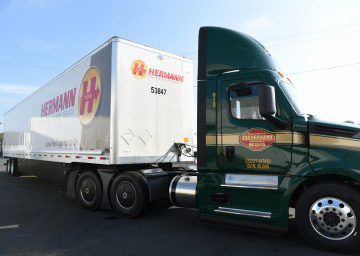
17, 89
258, 23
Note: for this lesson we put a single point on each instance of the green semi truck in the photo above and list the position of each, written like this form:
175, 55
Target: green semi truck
258, 153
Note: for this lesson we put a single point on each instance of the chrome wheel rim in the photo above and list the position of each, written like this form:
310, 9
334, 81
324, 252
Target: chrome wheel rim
125, 194
332, 218
88, 190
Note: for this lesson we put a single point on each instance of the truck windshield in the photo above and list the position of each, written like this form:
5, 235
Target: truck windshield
293, 96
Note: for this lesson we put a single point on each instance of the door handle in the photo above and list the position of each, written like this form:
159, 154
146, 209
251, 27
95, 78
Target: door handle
230, 153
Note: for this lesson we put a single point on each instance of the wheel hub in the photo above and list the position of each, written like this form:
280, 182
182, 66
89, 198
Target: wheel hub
126, 194
332, 218
88, 190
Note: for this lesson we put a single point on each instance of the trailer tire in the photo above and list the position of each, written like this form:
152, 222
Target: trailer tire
8, 166
89, 190
13, 168
327, 215
129, 194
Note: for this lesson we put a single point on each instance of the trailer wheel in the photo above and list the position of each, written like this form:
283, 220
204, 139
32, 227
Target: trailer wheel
327, 215
8, 166
129, 194
13, 168
89, 190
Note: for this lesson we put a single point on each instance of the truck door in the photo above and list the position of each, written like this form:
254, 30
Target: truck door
249, 143
253, 156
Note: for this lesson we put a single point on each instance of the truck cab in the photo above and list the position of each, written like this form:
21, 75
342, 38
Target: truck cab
259, 153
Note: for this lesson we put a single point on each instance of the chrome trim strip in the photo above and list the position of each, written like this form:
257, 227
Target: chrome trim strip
256, 187
244, 212
251, 181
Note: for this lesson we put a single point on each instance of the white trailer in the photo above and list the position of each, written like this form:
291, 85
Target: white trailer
125, 106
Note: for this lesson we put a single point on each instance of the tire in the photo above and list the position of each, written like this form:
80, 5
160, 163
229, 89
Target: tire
8, 167
13, 168
129, 194
89, 190
328, 216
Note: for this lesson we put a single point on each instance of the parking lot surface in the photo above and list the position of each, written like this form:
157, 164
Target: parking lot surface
35, 219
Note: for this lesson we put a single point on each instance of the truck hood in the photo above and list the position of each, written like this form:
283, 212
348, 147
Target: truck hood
334, 147
331, 128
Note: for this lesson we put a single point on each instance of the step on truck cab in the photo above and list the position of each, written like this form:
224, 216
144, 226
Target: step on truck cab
259, 153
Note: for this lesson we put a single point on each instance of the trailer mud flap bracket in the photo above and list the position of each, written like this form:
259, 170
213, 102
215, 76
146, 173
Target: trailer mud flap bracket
157, 181
70, 184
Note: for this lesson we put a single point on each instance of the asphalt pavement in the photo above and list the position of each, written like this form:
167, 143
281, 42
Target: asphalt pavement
35, 219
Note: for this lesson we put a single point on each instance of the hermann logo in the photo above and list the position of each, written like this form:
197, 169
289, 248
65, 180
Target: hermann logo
89, 95
138, 69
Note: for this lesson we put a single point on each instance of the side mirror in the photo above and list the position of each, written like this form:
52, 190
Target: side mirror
267, 106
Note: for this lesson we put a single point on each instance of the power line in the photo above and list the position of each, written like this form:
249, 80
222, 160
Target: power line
188, 53
311, 32
30, 66
302, 34
323, 69
313, 39
308, 71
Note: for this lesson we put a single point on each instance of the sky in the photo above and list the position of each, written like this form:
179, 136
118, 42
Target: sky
314, 42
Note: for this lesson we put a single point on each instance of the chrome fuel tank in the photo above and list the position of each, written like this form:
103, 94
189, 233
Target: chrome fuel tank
183, 191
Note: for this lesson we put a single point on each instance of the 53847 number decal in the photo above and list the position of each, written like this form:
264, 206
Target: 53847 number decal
158, 90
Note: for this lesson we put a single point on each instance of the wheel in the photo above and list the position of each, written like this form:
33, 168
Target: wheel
327, 215
13, 168
8, 167
129, 194
89, 190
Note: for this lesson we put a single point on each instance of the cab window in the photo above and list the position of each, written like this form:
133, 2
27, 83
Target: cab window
244, 101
